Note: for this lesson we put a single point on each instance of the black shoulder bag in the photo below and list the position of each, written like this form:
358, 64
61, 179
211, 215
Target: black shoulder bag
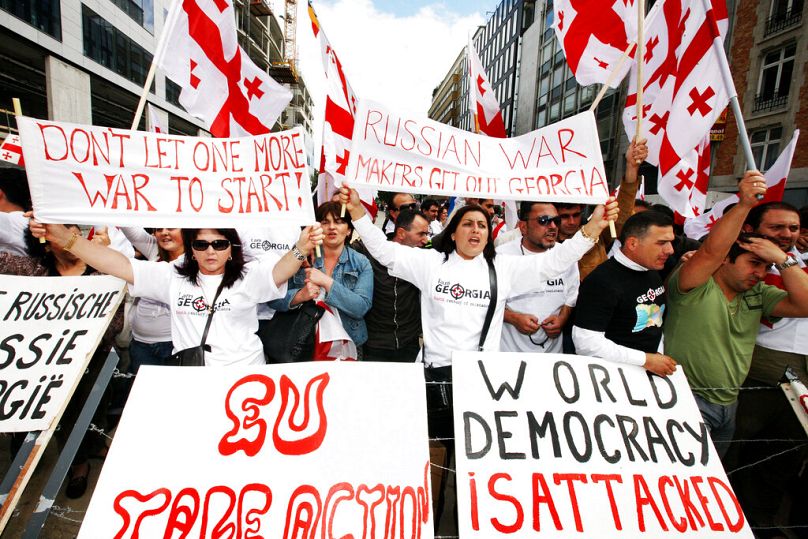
195, 356
289, 336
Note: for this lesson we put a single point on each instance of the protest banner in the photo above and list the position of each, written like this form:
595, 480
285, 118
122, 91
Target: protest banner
50, 329
573, 446
395, 152
318, 449
87, 174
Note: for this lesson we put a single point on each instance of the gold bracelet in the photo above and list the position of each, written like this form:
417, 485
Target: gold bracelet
72, 241
593, 239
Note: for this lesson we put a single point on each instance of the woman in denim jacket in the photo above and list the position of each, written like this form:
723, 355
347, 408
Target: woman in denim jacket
343, 275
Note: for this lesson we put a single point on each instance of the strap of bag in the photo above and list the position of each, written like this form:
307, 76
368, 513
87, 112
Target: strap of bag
210, 316
492, 304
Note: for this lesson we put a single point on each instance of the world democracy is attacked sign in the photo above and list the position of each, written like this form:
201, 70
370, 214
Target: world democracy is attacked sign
318, 449
49, 328
397, 152
90, 174
573, 446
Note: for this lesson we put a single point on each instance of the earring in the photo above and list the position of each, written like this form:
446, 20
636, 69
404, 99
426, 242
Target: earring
230, 257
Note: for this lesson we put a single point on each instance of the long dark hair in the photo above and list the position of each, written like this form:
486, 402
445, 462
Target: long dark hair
448, 244
233, 268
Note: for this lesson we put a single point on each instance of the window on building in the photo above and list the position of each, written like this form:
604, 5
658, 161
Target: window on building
766, 146
141, 11
775, 78
784, 14
44, 15
111, 48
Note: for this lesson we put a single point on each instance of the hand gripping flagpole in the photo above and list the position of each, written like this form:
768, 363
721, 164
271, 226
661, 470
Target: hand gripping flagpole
726, 76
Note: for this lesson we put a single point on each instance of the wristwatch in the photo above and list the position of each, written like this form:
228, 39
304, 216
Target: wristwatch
297, 254
789, 261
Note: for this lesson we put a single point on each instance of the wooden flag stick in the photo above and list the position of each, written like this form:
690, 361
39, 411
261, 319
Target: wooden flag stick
639, 57
612, 76
18, 112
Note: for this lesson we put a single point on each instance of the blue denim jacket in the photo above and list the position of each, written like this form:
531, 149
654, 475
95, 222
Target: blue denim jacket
351, 294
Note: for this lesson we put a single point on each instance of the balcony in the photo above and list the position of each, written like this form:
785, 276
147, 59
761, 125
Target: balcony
781, 21
769, 102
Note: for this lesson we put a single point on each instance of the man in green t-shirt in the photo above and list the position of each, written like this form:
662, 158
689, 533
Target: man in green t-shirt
715, 302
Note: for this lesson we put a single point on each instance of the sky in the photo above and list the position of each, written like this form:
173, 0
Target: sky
395, 52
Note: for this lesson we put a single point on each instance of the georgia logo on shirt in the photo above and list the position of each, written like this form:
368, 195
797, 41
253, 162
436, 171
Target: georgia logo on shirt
458, 291
266, 245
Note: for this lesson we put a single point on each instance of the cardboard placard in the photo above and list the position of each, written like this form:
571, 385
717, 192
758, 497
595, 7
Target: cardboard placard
49, 329
573, 446
561, 162
319, 449
90, 174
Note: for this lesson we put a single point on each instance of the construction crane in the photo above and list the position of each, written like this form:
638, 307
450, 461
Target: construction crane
285, 70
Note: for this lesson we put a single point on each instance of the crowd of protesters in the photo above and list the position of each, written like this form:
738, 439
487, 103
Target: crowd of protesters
727, 310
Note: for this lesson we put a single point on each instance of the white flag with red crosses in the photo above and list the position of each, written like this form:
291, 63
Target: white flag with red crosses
338, 124
483, 102
776, 178
11, 151
594, 35
683, 94
220, 84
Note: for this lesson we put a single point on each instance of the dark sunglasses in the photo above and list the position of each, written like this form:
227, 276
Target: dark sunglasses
545, 220
202, 245
411, 207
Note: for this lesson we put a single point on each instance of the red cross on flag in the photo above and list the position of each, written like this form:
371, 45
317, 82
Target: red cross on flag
220, 84
483, 102
11, 151
683, 92
338, 124
594, 35
776, 177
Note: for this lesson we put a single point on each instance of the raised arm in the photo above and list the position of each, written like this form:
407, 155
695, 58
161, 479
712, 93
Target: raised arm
715, 248
142, 241
795, 280
100, 257
637, 153
290, 262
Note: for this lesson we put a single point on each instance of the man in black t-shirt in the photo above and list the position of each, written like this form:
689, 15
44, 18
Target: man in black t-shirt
621, 303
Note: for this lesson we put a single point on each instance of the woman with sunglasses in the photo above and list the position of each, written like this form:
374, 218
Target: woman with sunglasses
212, 264
151, 320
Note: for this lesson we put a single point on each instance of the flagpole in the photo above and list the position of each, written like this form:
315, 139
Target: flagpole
639, 57
726, 76
18, 112
158, 54
612, 76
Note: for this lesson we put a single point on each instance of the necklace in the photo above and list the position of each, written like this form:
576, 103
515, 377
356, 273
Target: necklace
733, 310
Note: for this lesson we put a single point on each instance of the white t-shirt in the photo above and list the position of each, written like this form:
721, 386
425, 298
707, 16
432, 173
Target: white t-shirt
787, 334
455, 293
232, 335
556, 292
12, 233
275, 240
435, 228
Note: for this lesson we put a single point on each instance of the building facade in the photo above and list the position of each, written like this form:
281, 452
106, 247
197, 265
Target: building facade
448, 104
86, 61
768, 60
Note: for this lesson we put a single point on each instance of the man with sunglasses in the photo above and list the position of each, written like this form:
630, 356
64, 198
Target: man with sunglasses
716, 301
533, 321
400, 201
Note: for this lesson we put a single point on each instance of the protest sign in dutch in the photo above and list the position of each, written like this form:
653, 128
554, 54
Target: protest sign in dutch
396, 152
320, 449
572, 446
49, 329
90, 174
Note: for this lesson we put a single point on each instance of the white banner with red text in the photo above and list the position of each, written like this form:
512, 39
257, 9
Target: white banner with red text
318, 449
50, 329
90, 174
573, 446
395, 152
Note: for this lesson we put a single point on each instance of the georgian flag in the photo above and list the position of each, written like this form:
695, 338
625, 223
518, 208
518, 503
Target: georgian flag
338, 124
776, 178
594, 35
483, 102
221, 86
11, 151
331, 341
683, 94
155, 125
